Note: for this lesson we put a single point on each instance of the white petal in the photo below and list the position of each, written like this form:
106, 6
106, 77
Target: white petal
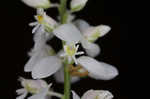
75, 96
68, 33
31, 63
59, 77
33, 23
82, 25
93, 50
46, 67
42, 94
98, 70
103, 94
36, 28
97, 94
37, 55
37, 3
49, 23
20, 91
22, 96
40, 36
90, 94
104, 29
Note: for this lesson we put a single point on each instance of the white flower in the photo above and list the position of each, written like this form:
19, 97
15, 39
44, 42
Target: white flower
77, 5
97, 70
94, 94
39, 51
90, 35
42, 62
59, 75
71, 50
46, 23
38, 89
37, 3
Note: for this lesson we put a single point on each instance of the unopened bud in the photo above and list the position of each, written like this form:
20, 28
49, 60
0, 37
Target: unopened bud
77, 5
37, 3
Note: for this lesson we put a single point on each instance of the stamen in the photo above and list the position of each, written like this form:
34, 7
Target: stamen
83, 74
74, 71
74, 68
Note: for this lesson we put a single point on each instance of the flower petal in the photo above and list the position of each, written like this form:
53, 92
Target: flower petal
96, 69
75, 96
23, 95
37, 3
82, 25
42, 94
59, 77
68, 33
103, 29
20, 91
97, 94
46, 67
91, 49
37, 55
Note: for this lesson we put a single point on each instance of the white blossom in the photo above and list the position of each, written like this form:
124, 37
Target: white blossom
42, 63
77, 5
97, 70
35, 87
46, 23
71, 50
94, 94
38, 3
39, 51
90, 35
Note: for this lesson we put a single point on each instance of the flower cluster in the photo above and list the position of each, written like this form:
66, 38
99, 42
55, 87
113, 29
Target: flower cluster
45, 61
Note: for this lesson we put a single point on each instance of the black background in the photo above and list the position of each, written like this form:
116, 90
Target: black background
17, 40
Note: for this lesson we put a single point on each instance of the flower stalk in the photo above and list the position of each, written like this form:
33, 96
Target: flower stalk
66, 82
63, 17
62, 11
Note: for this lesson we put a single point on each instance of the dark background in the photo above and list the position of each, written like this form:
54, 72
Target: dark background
17, 40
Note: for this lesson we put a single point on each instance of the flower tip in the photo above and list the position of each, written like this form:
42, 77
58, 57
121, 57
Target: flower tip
112, 74
104, 29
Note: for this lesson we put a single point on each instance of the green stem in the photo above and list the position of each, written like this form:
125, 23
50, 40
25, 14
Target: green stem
66, 82
62, 11
63, 17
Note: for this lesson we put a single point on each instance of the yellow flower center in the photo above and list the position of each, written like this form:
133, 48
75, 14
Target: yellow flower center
30, 89
40, 18
70, 50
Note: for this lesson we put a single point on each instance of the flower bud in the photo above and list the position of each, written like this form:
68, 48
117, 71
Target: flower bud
97, 94
33, 86
77, 5
48, 23
37, 3
93, 33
